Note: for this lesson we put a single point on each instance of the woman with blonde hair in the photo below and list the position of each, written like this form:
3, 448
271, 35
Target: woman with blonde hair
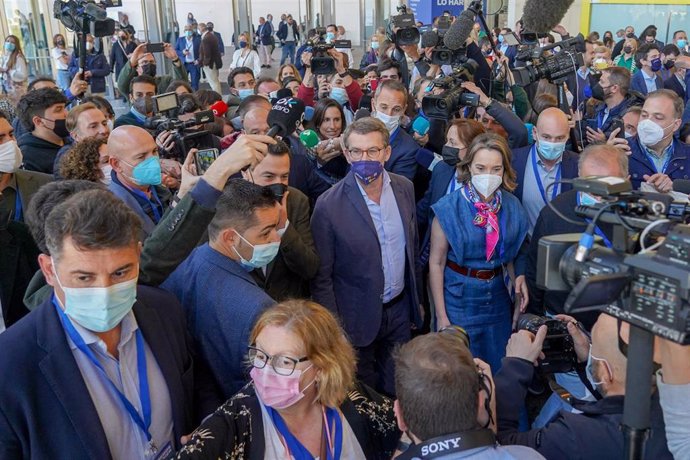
14, 72
303, 400
245, 56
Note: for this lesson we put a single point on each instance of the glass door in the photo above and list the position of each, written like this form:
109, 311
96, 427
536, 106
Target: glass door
26, 20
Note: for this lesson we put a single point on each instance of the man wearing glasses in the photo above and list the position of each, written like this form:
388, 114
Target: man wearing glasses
365, 233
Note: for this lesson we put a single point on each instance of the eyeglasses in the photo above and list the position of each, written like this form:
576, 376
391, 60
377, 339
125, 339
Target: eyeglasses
283, 365
372, 153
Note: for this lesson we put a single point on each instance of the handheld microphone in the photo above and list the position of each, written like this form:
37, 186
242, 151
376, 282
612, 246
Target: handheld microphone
544, 15
421, 126
219, 108
362, 113
285, 116
280, 94
428, 159
309, 138
459, 31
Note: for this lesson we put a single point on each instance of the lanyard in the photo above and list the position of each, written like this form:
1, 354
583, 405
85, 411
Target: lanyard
597, 230
537, 177
296, 450
651, 160
144, 395
18, 209
393, 135
154, 204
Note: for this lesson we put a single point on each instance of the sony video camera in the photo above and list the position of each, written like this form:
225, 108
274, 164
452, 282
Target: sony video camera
444, 105
558, 349
402, 28
85, 16
321, 62
543, 63
649, 288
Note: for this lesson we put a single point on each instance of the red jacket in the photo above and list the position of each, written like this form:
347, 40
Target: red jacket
354, 94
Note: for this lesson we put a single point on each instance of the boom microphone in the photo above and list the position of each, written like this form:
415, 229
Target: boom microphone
429, 39
285, 116
459, 31
543, 15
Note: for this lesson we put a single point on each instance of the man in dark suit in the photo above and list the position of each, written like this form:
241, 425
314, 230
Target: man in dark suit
288, 275
98, 342
656, 156
288, 34
612, 89
210, 59
141, 89
187, 49
365, 233
264, 36
543, 163
646, 80
221, 45
389, 105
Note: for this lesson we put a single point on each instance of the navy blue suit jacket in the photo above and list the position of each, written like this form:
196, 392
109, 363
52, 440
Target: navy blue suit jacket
440, 179
639, 165
637, 82
519, 162
403, 160
673, 84
46, 411
350, 278
181, 45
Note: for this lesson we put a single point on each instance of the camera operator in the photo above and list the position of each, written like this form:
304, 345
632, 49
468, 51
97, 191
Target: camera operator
593, 433
306, 88
613, 90
443, 402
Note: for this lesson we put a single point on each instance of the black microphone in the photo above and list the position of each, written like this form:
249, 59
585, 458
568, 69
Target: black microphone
285, 116
544, 15
429, 39
459, 31
362, 113
682, 186
281, 94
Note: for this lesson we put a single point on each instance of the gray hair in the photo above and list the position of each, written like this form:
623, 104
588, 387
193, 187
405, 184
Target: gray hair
601, 153
365, 126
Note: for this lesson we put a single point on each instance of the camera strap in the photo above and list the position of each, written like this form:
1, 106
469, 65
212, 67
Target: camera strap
450, 444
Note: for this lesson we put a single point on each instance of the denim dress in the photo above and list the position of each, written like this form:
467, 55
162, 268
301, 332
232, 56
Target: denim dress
483, 308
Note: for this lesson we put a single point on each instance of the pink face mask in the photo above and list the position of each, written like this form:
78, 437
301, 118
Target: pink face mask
278, 391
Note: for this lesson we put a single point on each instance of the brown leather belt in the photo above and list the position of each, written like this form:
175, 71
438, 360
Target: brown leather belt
486, 275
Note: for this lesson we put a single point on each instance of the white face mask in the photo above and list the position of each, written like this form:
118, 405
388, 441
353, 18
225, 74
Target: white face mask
391, 122
107, 178
569, 96
110, 125
10, 157
486, 184
650, 133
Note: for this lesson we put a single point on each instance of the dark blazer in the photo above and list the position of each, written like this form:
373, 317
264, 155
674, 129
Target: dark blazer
18, 263
118, 58
303, 176
28, 183
639, 165
181, 45
637, 82
282, 31
209, 56
221, 45
297, 262
127, 119
99, 67
403, 160
350, 277
265, 33
440, 179
47, 389
673, 84
519, 162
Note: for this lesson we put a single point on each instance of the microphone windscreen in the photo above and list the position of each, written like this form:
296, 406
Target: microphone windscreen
421, 126
309, 138
682, 186
285, 116
544, 15
362, 113
308, 113
219, 108
459, 31
429, 39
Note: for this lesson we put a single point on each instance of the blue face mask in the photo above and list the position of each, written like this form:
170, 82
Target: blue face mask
244, 93
99, 309
340, 95
9, 46
500, 39
587, 200
243, 44
263, 254
188, 33
148, 172
367, 171
682, 43
550, 150
330, 36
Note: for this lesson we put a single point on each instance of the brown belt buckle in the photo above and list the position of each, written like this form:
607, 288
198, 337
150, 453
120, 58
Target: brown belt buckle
485, 275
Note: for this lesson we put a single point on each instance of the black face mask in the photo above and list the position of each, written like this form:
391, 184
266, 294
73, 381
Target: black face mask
61, 43
627, 49
669, 64
450, 155
60, 127
143, 105
598, 92
278, 190
630, 35
149, 69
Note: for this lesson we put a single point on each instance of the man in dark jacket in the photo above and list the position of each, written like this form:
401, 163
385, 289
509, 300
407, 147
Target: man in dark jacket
142, 62
96, 69
43, 113
594, 433
288, 34
210, 59
187, 49
264, 38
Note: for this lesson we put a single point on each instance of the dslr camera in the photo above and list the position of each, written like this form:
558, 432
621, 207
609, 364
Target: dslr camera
558, 349
444, 105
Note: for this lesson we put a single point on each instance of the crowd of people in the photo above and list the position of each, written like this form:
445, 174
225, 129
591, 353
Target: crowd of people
349, 290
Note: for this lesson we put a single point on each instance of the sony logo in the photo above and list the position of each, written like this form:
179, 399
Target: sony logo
440, 446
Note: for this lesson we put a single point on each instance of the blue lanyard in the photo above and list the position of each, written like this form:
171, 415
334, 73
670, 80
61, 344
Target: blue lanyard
18, 209
144, 394
296, 449
154, 195
537, 177
393, 135
597, 230
651, 160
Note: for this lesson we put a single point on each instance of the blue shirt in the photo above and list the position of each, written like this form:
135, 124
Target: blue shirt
125, 438
189, 46
650, 81
532, 200
660, 162
391, 235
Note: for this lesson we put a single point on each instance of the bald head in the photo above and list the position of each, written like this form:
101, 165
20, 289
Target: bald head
127, 147
603, 160
605, 347
256, 121
552, 126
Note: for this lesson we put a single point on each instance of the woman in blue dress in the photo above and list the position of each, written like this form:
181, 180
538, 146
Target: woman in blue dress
477, 237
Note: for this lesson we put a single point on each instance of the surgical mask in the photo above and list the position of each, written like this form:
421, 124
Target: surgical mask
391, 122
143, 105
9, 46
340, 95
278, 391
569, 97
655, 65
59, 127
282, 231
682, 43
501, 39
89, 46
330, 36
367, 171
650, 133
10, 157
243, 44
628, 135
627, 49
149, 69
263, 254
374, 45
589, 369
110, 124
99, 309
550, 150
600, 64
107, 178
450, 155
587, 200
244, 93
486, 184
148, 172
188, 33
